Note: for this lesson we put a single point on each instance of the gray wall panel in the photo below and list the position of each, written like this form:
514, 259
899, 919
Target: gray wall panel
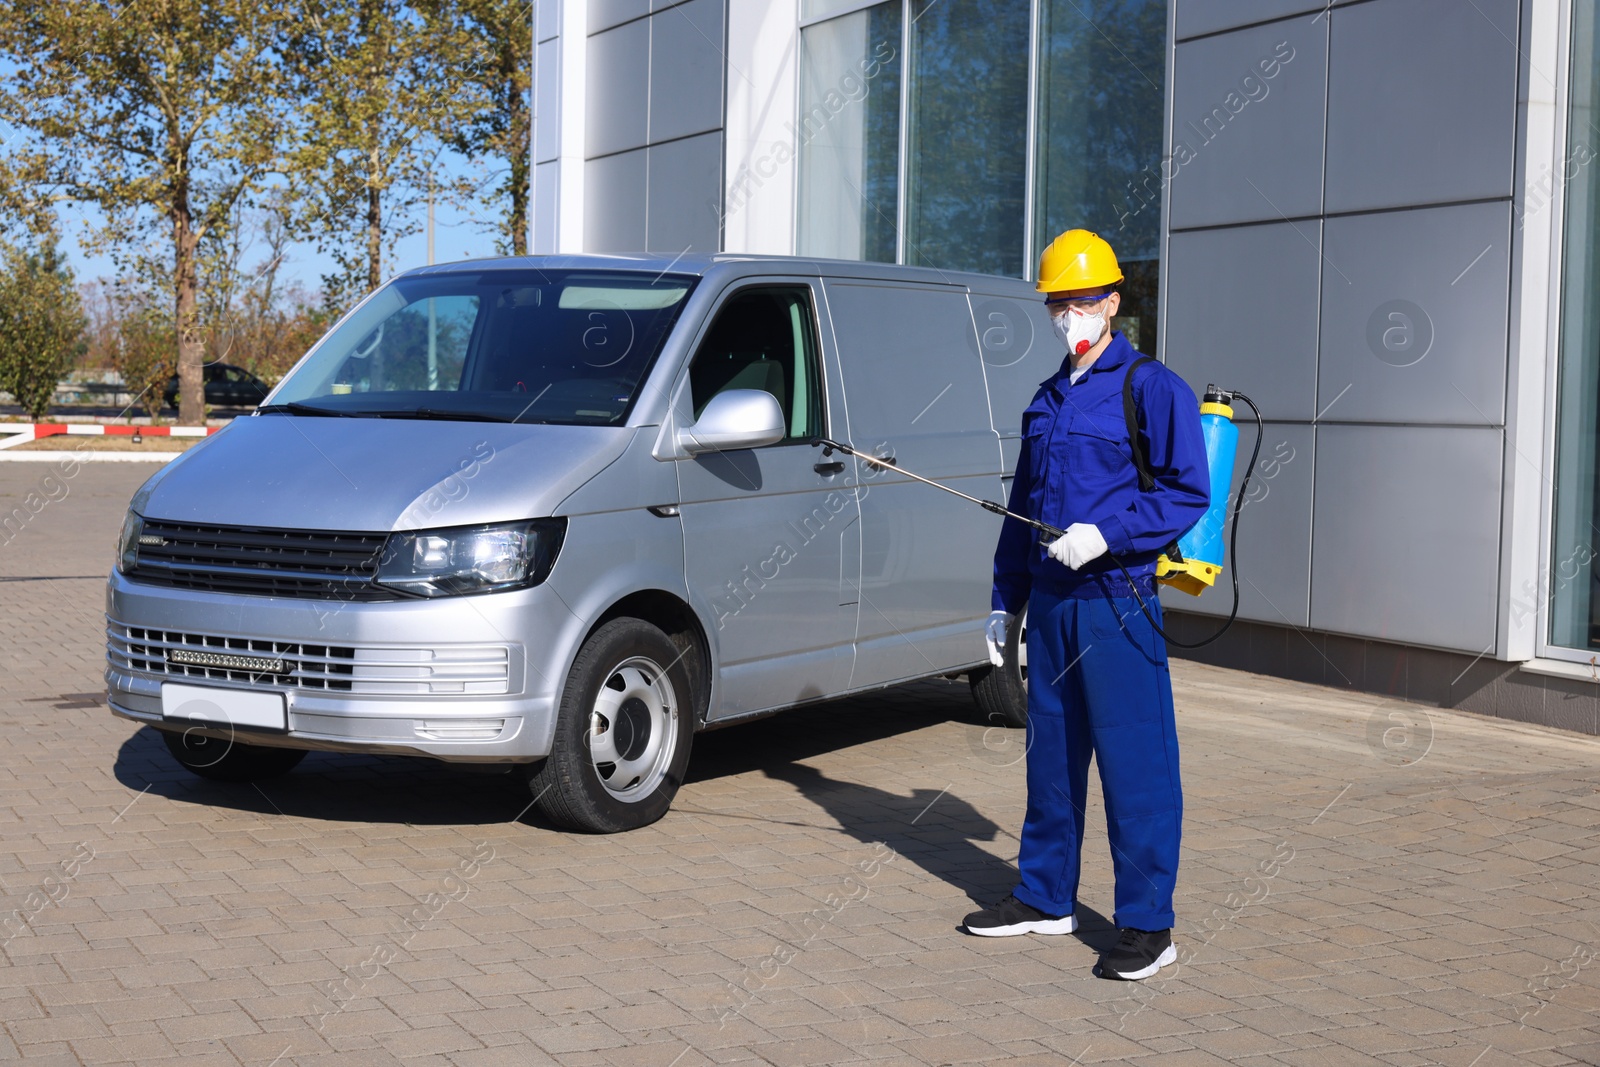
1273, 271
603, 14
617, 84
685, 183
614, 203
1208, 16
1248, 148
1421, 102
686, 70
545, 205
1406, 534
1274, 530
547, 101
1414, 316
546, 19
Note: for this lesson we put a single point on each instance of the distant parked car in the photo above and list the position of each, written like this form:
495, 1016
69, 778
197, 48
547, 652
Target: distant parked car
227, 386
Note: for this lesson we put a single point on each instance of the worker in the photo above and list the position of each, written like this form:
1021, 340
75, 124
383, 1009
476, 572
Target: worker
1097, 670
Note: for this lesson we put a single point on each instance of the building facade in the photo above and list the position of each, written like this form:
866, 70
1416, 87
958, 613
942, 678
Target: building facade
1377, 218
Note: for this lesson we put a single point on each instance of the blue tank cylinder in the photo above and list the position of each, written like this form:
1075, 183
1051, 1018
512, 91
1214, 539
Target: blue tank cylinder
1205, 540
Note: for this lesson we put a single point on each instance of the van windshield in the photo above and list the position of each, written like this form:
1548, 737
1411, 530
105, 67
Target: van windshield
557, 346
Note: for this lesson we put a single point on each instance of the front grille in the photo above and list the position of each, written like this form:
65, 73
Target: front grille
307, 564
467, 670
229, 659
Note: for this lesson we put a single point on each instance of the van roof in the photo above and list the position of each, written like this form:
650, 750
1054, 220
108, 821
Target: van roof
727, 265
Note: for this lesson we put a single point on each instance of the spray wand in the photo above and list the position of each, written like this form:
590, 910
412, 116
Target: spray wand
829, 447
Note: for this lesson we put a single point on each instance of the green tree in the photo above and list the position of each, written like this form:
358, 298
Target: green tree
381, 87
161, 113
500, 31
41, 326
145, 350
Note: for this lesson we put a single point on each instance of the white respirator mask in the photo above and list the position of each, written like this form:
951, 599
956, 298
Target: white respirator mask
1078, 332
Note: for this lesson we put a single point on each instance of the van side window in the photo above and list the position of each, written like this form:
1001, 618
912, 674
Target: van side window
763, 339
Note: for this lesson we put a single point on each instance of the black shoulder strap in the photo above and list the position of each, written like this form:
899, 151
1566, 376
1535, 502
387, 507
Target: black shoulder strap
1147, 480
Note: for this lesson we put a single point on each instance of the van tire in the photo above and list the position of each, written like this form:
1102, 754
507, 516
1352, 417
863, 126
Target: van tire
229, 760
1001, 693
647, 719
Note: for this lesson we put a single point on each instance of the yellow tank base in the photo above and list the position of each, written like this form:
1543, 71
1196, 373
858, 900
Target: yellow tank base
1192, 576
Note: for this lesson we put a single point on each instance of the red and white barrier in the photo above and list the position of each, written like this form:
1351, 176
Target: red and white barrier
18, 433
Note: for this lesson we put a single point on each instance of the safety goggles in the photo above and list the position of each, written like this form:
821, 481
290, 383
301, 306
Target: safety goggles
1074, 303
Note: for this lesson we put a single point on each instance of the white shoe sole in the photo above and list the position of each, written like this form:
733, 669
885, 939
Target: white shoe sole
1064, 925
1166, 957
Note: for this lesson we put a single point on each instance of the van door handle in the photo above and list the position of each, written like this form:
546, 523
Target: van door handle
835, 467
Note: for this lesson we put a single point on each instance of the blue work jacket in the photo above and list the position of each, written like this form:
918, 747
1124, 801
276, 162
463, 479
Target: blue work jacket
1076, 465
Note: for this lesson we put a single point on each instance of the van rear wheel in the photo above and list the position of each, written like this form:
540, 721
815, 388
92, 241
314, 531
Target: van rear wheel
623, 732
1001, 693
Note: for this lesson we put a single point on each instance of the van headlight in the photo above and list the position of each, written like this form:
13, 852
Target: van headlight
473, 559
128, 541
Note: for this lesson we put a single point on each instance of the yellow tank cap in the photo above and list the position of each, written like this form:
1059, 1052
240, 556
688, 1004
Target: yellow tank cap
1214, 408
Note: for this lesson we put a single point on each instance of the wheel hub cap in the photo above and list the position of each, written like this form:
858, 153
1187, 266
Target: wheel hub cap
631, 734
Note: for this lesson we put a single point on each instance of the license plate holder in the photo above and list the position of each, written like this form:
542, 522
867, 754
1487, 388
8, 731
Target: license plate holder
225, 707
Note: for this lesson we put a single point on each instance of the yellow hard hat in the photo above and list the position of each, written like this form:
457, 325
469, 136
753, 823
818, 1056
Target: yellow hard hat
1078, 259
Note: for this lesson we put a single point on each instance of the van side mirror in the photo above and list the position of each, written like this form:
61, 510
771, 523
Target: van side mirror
737, 418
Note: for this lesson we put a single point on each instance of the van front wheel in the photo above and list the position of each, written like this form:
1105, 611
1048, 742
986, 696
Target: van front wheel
623, 731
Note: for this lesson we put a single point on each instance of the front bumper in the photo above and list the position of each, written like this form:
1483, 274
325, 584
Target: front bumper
464, 679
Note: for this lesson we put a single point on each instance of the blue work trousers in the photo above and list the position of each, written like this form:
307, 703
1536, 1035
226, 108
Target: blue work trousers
1098, 686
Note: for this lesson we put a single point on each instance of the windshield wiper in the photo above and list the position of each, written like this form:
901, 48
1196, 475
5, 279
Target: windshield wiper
444, 414
294, 407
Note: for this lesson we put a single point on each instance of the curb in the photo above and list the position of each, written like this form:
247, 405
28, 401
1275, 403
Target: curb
19, 433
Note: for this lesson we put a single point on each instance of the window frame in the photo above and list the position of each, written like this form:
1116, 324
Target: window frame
1546, 645
809, 288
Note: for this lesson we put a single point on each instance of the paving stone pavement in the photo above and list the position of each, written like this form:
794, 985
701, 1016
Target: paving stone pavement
1363, 882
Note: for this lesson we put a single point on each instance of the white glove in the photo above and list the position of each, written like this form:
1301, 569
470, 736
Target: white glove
1081, 544
994, 635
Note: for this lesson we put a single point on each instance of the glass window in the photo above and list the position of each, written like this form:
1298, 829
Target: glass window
496, 345
812, 10
968, 137
420, 346
1102, 84
1573, 567
763, 339
1101, 77
848, 136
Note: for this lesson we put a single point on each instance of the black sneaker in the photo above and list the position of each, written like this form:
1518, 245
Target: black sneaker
1011, 916
1138, 954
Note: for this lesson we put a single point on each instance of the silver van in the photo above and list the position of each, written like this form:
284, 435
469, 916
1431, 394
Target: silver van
565, 511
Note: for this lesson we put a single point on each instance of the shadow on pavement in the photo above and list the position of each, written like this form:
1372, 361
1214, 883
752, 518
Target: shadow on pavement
932, 828
829, 727
936, 830
336, 787
352, 787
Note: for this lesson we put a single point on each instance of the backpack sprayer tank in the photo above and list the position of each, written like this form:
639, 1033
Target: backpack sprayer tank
1200, 550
